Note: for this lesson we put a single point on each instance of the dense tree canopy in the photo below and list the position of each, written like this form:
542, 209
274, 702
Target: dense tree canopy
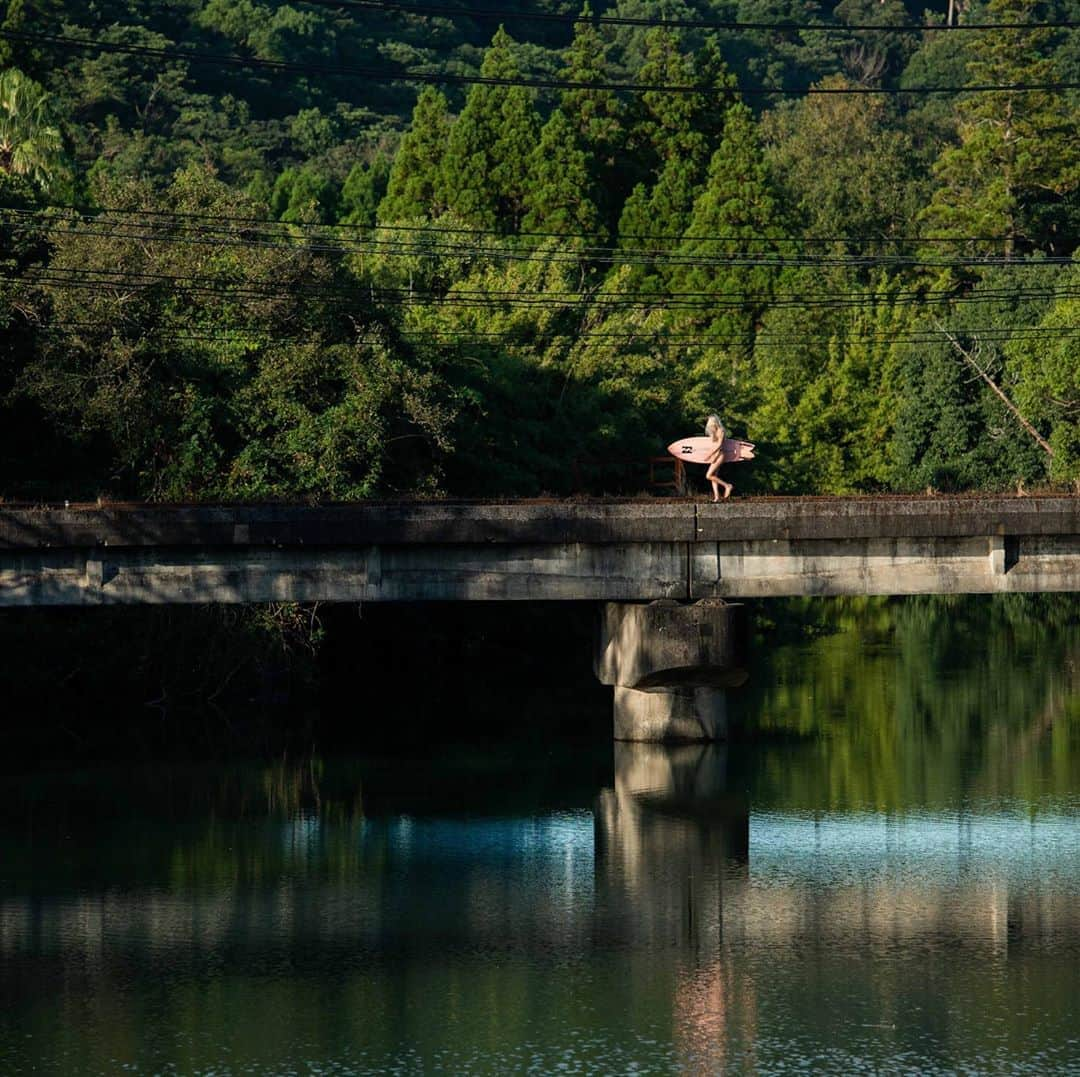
304, 273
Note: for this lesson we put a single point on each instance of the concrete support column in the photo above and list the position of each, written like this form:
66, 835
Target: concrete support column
660, 714
670, 664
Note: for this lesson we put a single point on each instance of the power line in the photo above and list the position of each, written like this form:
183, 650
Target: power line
507, 336
220, 238
488, 14
443, 78
271, 230
469, 230
117, 276
345, 301
145, 277
242, 336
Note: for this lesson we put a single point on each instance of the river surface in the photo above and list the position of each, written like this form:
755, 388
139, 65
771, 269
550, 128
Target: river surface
886, 879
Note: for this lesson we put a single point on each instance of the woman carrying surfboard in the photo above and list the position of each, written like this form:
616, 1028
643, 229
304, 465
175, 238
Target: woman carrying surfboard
713, 450
714, 429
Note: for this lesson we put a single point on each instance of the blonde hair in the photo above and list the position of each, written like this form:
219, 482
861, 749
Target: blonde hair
713, 424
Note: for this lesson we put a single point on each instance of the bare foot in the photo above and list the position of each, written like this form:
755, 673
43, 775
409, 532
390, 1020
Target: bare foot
727, 492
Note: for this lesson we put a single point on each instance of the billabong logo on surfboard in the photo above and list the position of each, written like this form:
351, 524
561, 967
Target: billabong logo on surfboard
698, 450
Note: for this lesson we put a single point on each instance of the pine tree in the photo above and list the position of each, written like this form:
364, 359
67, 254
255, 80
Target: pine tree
662, 122
653, 219
362, 191
676, 132
736, 206
665, 155
1018, 150
486, 163
416, 187
518, 136
596, 115
735, 212
560, 182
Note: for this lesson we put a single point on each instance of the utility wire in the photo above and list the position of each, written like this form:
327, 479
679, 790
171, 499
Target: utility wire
220, 238
345, 301
468, 230
136, 278
489, 14
290, 230
439, 336
437, 78
567, 344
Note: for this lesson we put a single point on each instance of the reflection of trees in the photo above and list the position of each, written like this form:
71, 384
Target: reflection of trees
909, 700
295, 933
194, 826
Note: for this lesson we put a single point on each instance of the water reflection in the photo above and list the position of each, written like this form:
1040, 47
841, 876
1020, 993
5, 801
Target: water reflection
899, 894
897, 932
672, 860
925, 702
671, 843
678, 922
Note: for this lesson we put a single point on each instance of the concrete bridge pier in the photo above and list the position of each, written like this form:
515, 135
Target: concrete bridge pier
670, 665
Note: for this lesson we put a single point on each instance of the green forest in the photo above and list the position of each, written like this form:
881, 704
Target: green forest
252, 249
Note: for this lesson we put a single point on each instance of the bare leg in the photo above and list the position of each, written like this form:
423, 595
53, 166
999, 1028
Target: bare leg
717, 482
711, 478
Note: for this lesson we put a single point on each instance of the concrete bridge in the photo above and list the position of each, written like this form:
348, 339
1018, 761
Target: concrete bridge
626, 551
670, 639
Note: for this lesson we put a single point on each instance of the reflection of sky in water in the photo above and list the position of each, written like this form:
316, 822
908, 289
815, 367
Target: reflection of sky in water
491, 945
550, 854
826, 849
562, 837
841, 849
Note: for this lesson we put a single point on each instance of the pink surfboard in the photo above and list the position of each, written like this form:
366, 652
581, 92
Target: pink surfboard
698, 450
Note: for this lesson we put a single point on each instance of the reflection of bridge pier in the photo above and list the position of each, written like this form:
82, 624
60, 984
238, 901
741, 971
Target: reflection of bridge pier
670, 841
670, 665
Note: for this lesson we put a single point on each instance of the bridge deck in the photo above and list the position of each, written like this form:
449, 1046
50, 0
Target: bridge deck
580, 549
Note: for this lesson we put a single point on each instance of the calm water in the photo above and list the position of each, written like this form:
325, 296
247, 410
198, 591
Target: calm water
895, 891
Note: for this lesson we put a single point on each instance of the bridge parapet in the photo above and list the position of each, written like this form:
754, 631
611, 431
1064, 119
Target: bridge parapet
393, 523
637, 550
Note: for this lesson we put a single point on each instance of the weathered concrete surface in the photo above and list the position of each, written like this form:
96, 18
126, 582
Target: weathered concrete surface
885, 517
669, 663
892, 566
366, 523
668, 643
670, 714
527, 522
117, 575
634, 550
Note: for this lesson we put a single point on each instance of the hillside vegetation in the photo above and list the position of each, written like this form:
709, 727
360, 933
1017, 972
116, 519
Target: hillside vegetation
252, 249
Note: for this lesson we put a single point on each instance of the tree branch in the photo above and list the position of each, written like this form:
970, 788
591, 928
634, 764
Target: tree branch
998, 391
